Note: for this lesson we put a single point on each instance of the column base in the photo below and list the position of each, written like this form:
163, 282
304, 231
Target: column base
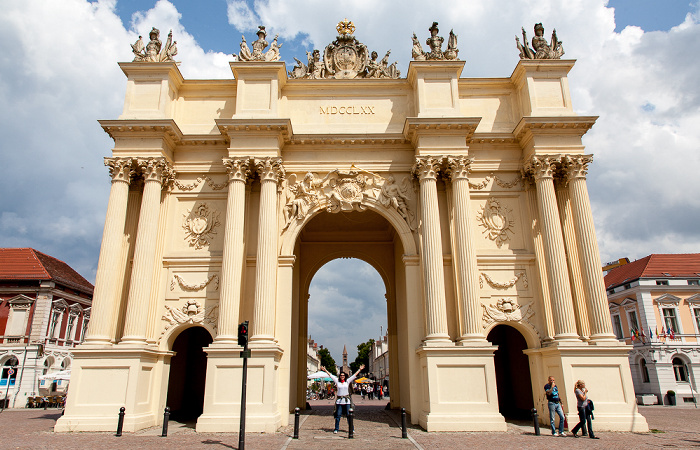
460, 389
606, 372
104, 380
222, 395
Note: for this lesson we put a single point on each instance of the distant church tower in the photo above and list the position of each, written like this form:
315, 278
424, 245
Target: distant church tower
345, 367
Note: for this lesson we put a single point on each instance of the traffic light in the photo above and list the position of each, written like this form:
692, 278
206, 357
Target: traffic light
243, 334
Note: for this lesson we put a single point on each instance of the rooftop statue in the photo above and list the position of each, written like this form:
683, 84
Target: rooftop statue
259, 46
154, 51
344, 58
542, 50
434, 43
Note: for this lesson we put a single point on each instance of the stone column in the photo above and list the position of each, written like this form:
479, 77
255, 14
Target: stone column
104, 297
467, 269
239, 171
594, 287
270, 171
426, 169
542, 168
571, 248
153, 170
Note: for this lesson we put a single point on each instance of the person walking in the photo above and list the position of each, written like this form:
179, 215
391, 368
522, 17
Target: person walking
584, 411
342, 399
554, 404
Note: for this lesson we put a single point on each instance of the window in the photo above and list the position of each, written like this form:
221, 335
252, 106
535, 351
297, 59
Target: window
10, 364
662, 282
693, 282
54, 325
627, 286
69, 329
84, 330
670, 319
696, 312
634, 325
679, 370
617, 326
645, 370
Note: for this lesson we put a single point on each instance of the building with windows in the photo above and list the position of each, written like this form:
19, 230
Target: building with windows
655, 307
44, 313
379, 360
313, 361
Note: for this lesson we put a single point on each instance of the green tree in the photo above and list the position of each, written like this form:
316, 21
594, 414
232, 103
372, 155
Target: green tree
363, 351
327, 360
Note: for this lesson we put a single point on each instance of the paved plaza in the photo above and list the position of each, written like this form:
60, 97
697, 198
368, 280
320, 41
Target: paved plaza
375, 428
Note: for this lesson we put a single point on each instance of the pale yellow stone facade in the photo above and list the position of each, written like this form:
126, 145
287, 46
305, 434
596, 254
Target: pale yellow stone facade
467, 195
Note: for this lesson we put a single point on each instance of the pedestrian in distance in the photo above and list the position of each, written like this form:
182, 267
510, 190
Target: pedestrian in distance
342, 399
585, 411
554, 404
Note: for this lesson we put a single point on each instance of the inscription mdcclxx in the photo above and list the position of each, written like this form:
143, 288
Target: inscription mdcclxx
347, 109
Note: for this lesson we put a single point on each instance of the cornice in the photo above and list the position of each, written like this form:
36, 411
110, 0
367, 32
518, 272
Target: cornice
541, 66
350, 139
151, 70
282, 128
163, 128
203, 139
493, 138
557, 125
415, 127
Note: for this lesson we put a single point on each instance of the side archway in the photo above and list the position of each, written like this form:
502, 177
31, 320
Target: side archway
513, 380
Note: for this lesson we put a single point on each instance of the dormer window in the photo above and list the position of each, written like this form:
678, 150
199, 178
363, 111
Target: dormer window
662, 282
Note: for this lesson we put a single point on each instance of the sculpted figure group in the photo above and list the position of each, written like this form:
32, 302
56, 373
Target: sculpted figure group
259, 46
542, 49
154, 50
434, 43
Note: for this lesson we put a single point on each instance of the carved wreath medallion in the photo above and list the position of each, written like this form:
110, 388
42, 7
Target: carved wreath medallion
497, 220
191, 312
199, 224
507, 310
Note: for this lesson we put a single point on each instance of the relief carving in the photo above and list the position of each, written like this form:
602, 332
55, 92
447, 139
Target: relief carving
507, 310
199, 224
191, 312
497, 220
214, 280
393, 195
503, 285
191, 186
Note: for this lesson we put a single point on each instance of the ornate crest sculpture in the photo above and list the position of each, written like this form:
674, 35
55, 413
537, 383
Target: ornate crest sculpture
345, 58
542, 50
154, 51
434, 43
259, 46
199, 224
191, 312
507, 310
497, 220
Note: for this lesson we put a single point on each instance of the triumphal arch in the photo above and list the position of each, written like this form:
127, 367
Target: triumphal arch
467, 195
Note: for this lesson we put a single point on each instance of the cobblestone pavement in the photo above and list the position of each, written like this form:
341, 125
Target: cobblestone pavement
375, 428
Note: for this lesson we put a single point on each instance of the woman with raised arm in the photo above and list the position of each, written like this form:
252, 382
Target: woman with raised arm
342, 399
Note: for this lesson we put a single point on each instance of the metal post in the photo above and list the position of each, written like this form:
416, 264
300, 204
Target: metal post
166, 417
535, 421
351, 423
296, 423
241, 431
404, 433
120, 424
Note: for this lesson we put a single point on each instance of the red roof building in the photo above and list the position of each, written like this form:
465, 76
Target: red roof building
655, 306
44, 312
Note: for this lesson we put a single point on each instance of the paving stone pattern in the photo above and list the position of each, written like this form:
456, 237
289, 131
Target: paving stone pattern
375, 428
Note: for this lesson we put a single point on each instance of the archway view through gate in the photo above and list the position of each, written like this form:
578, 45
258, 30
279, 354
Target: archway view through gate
371, 238
188, 369
513, 381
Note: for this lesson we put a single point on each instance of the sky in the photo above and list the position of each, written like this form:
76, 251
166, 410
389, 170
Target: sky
637, 69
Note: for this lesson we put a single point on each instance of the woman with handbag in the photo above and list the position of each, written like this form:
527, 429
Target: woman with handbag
584, 411
342, 399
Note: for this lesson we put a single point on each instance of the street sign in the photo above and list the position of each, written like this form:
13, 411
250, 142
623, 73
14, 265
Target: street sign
11, 372
245, 354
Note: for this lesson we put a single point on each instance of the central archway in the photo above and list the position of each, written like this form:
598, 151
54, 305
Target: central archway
188, 370
367, 236
513, 380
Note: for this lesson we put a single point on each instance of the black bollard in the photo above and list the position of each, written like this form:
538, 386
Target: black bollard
535, 421
120, 424
351, 425
296, 423
166, 417
404, 433
46, 402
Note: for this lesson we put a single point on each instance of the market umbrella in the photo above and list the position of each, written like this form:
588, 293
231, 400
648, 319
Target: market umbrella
363, 380
320, 374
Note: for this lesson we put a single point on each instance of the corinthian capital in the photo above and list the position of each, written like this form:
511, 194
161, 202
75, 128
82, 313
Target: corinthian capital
426, 167
543, 166
577, 166
155, 169
239, 169
457, 167
270, 169
120, 169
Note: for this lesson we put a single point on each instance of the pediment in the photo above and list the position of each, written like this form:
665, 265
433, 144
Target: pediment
19, 301
668, 299
694, 299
